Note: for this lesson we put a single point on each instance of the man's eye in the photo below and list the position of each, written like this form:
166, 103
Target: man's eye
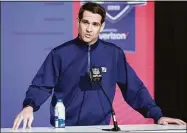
95, 24
84, 22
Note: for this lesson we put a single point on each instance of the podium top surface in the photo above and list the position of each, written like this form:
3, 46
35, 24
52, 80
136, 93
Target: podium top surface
124, 128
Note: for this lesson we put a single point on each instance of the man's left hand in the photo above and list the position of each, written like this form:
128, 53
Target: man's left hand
167, 120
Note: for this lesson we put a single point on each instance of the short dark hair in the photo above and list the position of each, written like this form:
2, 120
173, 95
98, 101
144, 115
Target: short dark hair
94, 8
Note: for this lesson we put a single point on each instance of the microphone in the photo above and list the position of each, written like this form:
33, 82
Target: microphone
96, 76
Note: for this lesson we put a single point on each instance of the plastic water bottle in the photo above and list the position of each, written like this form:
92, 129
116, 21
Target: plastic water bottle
59, 114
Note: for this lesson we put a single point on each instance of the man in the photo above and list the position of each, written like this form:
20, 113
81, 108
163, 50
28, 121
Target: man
66, 73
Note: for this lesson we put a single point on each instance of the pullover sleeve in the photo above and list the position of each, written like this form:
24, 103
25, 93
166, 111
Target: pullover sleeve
134, 91
43, 83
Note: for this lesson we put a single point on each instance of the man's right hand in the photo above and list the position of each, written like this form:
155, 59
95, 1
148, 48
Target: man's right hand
26, 115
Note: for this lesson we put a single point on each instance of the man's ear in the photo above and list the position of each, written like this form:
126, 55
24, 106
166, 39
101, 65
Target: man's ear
77, 23
102, 26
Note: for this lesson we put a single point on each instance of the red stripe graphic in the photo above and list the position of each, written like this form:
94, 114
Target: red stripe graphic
76, 6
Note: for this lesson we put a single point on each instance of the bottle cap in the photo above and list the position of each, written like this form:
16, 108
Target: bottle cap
59, 100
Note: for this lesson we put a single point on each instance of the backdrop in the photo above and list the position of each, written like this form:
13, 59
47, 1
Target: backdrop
29, 30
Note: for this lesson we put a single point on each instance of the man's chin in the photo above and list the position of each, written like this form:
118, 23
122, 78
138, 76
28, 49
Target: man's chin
87, 40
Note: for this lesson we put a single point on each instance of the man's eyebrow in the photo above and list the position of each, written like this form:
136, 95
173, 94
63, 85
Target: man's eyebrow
85, 20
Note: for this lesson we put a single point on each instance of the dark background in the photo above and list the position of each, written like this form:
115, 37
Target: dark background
170, 58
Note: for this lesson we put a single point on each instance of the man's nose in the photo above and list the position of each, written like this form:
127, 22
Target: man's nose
89, 28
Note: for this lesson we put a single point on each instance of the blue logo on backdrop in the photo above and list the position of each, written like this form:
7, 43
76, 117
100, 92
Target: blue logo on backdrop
120, 23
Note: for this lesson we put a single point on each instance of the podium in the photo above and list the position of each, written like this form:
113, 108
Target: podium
124, 128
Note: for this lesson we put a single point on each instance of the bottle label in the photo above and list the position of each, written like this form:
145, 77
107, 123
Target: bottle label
59, 123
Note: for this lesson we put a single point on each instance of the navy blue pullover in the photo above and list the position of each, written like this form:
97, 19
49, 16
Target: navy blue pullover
64, 74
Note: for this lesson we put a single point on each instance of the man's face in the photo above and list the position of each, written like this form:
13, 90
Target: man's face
89, 27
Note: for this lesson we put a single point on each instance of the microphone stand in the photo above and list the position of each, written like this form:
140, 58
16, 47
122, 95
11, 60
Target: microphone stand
115, 128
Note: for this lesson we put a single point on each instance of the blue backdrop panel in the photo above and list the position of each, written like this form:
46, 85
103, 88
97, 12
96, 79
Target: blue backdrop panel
29, 30
120, 25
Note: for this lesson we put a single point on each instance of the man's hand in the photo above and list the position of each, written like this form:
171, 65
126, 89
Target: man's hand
26, 115
167, 120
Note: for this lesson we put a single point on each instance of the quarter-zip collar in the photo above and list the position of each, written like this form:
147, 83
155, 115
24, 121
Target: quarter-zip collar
85, 45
